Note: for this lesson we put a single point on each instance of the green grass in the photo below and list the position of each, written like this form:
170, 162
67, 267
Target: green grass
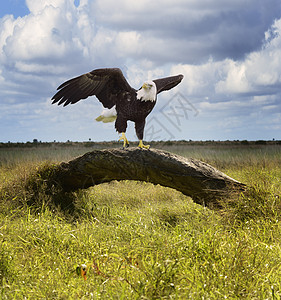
140, 241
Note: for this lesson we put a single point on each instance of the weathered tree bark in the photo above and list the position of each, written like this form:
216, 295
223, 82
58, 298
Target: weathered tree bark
194, 178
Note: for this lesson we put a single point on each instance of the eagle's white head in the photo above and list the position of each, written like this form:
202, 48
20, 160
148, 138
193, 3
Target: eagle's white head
147, 92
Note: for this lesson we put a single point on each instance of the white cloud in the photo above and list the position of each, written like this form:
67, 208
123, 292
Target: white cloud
128, 42
261, 69
258, 73
55, 31
191, 30
38, 31
265, 65
38, 6
236, 81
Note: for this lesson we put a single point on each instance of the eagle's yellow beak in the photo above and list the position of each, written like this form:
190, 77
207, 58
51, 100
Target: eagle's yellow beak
145, 86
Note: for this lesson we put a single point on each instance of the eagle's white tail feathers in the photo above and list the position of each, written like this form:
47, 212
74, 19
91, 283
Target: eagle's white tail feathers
107, 115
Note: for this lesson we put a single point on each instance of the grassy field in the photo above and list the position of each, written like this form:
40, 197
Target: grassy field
137, 240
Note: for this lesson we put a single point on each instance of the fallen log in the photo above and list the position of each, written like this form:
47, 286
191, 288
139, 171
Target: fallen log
192, 177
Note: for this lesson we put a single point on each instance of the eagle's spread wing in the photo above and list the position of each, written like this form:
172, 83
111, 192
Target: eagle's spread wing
105, 84
167, 83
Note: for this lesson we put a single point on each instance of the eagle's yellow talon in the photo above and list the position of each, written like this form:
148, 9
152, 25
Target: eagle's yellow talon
123, 138
142, 146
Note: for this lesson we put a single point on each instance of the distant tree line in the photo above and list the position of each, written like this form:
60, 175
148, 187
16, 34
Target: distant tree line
68, 143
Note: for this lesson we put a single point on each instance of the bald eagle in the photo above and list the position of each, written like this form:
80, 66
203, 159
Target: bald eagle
114, 92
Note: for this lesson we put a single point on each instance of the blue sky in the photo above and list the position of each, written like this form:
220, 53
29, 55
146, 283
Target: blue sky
17, 8
228, 51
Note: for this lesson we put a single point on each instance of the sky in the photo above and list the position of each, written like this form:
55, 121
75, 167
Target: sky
228, 51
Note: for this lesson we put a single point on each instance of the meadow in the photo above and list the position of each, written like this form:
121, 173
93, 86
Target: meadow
137, 240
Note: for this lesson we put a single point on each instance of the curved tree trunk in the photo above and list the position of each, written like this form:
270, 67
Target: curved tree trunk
194, 178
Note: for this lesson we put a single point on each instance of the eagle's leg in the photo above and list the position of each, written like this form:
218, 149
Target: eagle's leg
125, 141
139, 126
142, 146
121, 126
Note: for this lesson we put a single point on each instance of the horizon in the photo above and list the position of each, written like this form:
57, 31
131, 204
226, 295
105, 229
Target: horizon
35, 141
